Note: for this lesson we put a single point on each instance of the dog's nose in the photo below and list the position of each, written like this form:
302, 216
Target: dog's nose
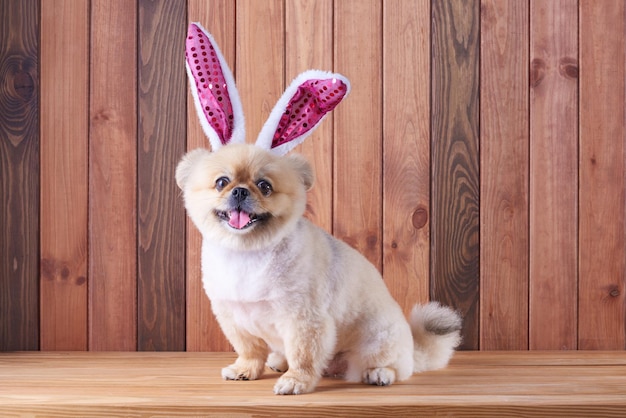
240, 194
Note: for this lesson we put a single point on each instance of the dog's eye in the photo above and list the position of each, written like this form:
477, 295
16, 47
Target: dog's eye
265, 187
221, 183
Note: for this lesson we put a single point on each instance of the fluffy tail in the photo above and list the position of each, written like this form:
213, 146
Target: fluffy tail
436, 333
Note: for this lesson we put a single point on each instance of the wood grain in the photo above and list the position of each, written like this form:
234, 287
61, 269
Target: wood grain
504, 162
406, 150
203, 331
64, 194
601, 246
309, 45
553, 175
260, 60
162, 130
455, 226
113, 176
19, 175
357, 201
494, 384
76, 234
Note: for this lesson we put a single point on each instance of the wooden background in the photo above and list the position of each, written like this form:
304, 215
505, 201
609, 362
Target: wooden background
478, 161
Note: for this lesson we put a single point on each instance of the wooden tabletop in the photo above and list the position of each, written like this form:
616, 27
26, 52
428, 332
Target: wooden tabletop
183, 384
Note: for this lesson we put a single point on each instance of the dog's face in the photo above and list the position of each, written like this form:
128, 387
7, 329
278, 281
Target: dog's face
243, 196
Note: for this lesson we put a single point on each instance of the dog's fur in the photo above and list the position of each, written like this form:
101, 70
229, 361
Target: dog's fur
290, 295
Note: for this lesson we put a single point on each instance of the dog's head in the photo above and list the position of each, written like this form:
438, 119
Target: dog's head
242, 195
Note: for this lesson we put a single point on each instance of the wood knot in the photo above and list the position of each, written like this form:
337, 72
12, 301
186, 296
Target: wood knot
65, 272
24, 85
372, 241
537, 72
614, 291
420, 217
568, 67
103, 116
55, 270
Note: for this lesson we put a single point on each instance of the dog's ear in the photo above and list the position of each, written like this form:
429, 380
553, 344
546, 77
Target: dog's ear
186, 164
303, 168
213, 89
307, 100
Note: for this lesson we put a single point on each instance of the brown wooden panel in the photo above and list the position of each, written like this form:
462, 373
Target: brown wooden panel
64, 143
455, 172
602, 290
19, 175
406, 145
504, 165
260, 59
203, 331
112, 176
357, 202
309, 45
161, 217
550, 209
554, 174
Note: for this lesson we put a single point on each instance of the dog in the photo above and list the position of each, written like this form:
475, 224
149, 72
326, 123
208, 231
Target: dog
286, 294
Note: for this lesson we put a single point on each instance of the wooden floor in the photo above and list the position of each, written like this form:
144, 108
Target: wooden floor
183, 384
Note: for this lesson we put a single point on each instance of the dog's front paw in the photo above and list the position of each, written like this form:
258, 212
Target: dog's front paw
291, 385
243, 370
232, 373
380, 376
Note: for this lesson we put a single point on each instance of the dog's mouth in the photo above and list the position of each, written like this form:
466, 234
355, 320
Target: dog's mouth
240, 219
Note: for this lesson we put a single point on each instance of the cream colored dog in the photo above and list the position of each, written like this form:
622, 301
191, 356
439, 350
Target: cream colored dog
286, 293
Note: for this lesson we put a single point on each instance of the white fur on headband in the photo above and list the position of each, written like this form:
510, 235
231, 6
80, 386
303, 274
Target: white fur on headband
266, 136
238, 133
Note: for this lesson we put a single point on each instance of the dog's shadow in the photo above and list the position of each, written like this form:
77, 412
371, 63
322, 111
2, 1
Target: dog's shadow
326, 383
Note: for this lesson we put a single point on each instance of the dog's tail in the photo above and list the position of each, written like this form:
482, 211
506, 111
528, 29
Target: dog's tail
436, 333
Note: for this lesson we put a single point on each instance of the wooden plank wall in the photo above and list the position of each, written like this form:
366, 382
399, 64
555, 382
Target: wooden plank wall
19, 175
478, 161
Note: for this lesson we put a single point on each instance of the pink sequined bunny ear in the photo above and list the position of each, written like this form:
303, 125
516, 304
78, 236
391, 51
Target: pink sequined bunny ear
213, 89
307, 100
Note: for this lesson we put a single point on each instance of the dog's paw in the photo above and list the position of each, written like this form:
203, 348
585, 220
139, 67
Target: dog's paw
380, 376
232, 372
241, 371
277, 362
290, 385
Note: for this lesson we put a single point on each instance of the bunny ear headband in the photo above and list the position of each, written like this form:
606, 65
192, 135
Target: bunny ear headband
297, 113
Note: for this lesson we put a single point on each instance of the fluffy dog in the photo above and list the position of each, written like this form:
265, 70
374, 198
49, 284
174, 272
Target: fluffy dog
284, 292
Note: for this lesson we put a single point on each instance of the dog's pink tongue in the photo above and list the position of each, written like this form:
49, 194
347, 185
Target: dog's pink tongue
238, 219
